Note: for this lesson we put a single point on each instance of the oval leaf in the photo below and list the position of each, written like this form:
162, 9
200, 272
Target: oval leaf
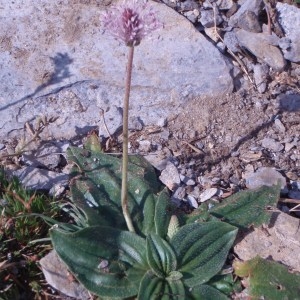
205, 292
153, 287
201, 250
163, 212
108, 262
248, 208
161, 257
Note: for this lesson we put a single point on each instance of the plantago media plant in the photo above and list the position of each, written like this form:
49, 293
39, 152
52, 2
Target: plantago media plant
129, 22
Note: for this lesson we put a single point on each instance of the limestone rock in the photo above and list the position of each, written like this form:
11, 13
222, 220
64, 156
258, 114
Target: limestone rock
281, 241
40, 179
57, 61
58, 276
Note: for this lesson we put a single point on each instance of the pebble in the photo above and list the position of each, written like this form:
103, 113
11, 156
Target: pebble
192, 201
264, 176
179, 193
187, 180
208, 194
170, 176
249, 22
144, 146
260, 74
231, 41
225, 4
271, 144
207, 18
279, 125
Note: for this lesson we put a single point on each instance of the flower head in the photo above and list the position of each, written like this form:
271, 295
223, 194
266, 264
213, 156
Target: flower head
130, 21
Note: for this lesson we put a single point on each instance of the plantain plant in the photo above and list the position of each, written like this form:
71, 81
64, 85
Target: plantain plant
161, 260
127, 240
169, 256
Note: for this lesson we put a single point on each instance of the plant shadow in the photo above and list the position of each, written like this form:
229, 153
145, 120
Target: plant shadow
61, 62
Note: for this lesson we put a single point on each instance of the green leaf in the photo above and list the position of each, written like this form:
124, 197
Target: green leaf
201, 250
248, 208
206, 292
163, 212
154, 288
96, 189
225, 284
107, 261
268, 280
92, 143
161, 257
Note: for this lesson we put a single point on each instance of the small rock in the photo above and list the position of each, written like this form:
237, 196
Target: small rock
254, 6
221, 46
191, 16
249, 22
170, 176
208, 194
225, 4
261, 72
294, 195
250, 156
145, 146
211, 33
2, 146
260, 46
40, 179
288, 102
135, 123
158, 160
271, 144
264, 176
179, 193
195, 192
192, 201
279, 125
162, 122
289, 146
231, 41
187, 180
284, 43
58, 276
207, 18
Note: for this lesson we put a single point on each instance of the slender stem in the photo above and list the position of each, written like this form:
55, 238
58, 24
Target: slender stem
124, 192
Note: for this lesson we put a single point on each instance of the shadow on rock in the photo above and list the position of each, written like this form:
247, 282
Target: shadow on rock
61, 71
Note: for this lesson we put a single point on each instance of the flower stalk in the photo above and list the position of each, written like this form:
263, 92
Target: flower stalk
124, 193
129, 22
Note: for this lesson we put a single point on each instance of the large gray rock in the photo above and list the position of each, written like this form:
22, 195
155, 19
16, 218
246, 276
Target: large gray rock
47, 45
289, 19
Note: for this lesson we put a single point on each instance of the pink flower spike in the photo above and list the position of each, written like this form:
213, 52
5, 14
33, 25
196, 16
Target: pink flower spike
130, 21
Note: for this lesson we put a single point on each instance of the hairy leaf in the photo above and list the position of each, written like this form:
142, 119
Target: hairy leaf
201, 250
268, 280
107, 261
155, 288
248, 208
161, 257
